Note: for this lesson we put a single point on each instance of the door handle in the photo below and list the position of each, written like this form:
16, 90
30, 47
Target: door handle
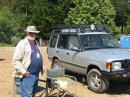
67, 53
57, 51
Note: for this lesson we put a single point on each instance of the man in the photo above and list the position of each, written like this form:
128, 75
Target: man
28, 62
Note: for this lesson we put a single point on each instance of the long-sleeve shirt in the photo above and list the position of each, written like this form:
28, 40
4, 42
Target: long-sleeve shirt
22, 57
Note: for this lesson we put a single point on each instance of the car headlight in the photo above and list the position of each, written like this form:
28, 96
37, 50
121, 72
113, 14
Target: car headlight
116, 66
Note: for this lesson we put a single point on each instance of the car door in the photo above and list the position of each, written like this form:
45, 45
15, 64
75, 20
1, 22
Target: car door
74, 56
61, 49
51, 50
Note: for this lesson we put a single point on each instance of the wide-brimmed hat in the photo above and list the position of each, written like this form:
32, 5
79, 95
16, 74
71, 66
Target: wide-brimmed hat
32, 29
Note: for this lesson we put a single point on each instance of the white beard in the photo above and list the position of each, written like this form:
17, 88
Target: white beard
31, 38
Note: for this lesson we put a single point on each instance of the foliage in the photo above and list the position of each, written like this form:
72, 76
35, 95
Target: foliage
122, 18
16, 15
91, 12
6, 24
127, 30
121, 14
128, 14
45, 14
50, 14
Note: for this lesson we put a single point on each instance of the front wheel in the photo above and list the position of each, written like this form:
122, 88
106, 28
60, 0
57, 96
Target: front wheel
56, 64
96, 81
128, 81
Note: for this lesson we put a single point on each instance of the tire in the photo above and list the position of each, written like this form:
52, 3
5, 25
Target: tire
128, 81
56, 64
96, 82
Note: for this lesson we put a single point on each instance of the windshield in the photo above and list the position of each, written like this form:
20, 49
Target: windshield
95, 41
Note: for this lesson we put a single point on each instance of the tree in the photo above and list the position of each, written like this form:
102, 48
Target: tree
13, 19
91, 12
121, 13
45, 14
6, 24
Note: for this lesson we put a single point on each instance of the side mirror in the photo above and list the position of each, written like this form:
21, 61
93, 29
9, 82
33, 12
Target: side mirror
75, 49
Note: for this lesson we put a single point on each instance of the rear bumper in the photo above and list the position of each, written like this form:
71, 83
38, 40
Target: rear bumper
116, 75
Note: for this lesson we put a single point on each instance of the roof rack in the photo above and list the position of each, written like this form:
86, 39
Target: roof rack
81, 28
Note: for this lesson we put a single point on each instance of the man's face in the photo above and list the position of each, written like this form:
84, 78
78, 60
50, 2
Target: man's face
31, 36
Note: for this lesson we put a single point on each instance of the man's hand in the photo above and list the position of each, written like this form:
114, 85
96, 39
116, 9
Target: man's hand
26, 74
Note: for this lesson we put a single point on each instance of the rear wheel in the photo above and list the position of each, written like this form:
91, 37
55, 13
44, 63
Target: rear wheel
56, 64
96, 81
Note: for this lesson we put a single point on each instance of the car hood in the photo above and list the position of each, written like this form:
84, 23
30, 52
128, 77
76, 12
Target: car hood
108, 55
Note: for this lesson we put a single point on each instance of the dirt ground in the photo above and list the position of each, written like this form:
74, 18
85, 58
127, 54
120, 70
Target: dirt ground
119, 89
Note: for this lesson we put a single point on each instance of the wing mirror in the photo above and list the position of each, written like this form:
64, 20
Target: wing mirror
75, 49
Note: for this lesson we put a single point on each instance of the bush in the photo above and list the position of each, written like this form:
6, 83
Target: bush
6, 24
128, 29
15, 40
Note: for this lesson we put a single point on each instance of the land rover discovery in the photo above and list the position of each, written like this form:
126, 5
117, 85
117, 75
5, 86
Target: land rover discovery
91, 51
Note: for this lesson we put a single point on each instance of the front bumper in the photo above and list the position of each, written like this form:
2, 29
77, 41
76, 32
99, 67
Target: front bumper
116, 75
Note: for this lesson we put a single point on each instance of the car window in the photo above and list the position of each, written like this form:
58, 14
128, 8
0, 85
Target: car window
97, 41
53, 41
73, 41
109, 41
62, 41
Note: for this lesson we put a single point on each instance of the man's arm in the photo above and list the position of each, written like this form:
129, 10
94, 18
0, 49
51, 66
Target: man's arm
18, 57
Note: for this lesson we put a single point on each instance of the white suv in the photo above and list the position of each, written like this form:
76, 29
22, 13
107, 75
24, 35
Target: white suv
91, 52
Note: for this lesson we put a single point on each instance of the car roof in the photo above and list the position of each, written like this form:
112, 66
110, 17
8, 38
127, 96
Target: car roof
80, 29
85, 33
88, 33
